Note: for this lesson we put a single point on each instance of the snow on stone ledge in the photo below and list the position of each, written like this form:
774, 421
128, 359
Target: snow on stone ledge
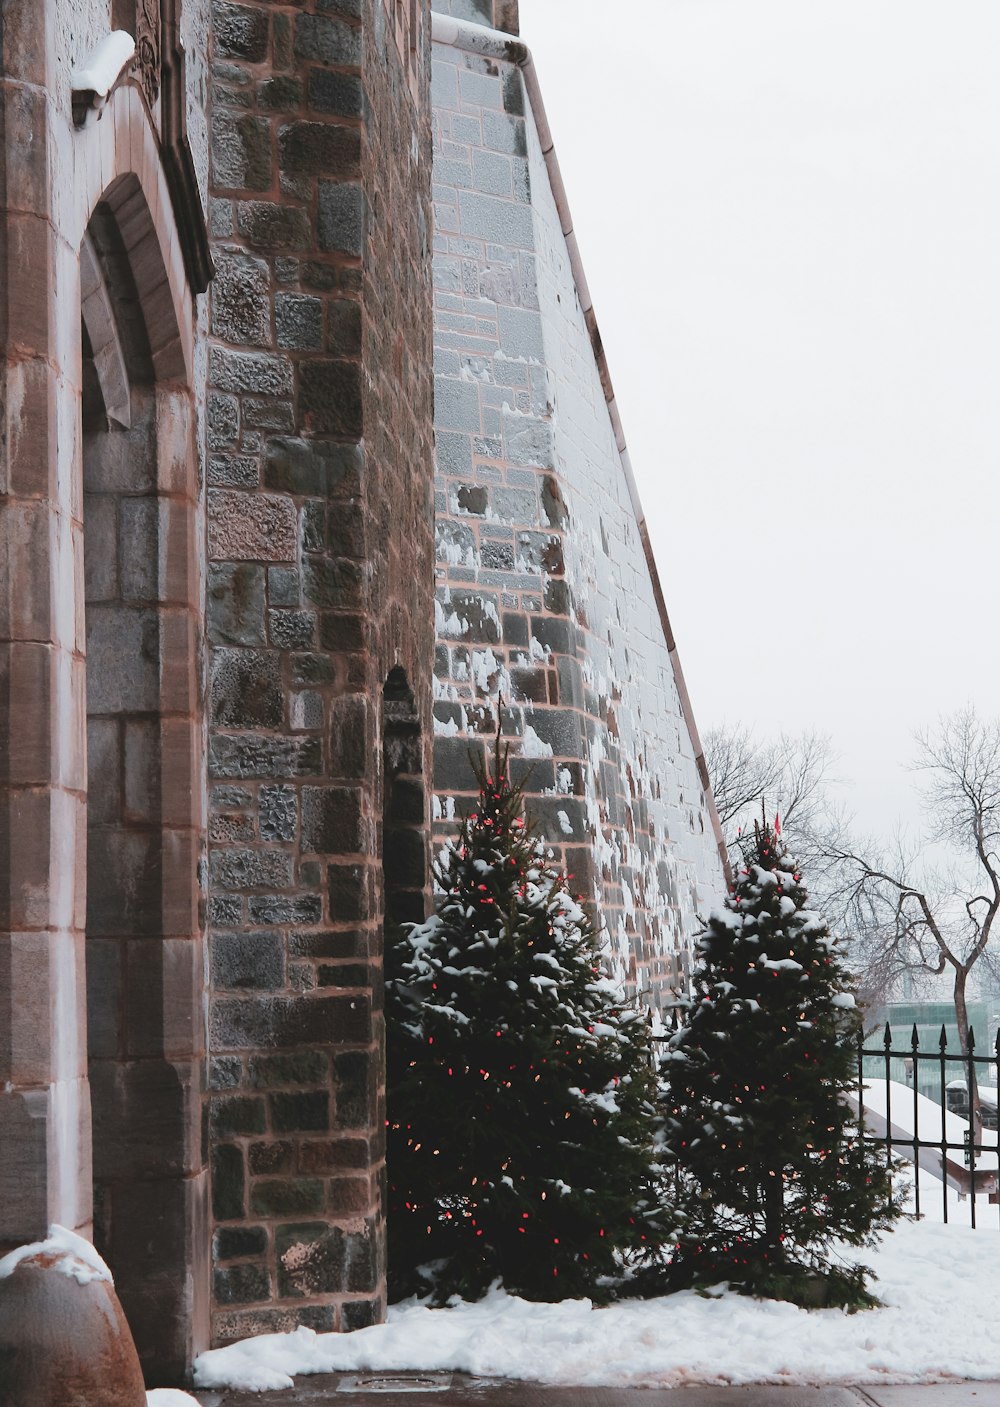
75, 1256
170, 1397
103, 66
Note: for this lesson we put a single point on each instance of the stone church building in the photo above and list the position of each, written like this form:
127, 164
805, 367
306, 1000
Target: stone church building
252, 629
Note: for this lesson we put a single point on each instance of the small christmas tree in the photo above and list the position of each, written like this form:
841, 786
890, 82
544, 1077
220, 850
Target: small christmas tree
521, 1090
771, 1172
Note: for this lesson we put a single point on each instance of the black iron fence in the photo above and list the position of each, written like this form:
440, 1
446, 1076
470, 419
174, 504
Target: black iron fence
949, 1134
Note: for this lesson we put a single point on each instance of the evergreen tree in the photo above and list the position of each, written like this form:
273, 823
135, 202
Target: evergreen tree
770, 1170
521, 1091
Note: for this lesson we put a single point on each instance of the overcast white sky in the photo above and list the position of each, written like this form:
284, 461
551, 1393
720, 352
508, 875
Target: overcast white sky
789, 214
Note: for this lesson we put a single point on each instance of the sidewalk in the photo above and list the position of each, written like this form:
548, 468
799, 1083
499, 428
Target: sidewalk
456, 1390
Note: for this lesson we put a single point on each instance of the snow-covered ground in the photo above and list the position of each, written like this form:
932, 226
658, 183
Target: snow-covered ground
939, 1285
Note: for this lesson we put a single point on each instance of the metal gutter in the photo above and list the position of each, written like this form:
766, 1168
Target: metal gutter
505, 48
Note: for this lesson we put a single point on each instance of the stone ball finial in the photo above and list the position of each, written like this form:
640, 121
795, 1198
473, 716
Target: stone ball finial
64, 1339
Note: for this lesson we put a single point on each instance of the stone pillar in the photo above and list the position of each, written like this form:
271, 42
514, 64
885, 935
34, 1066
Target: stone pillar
320, 581
44, 1102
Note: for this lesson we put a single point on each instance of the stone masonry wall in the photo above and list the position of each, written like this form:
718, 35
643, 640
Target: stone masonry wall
320, 584
544, 595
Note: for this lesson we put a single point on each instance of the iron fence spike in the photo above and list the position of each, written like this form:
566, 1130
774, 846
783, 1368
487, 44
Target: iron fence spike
943, 1042
972, 1040
914, 1038
888, 1036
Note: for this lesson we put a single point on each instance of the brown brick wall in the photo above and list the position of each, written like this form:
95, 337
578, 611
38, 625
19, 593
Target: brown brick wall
320, 580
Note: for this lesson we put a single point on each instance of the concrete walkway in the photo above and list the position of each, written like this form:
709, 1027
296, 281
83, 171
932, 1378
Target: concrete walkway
456, 1390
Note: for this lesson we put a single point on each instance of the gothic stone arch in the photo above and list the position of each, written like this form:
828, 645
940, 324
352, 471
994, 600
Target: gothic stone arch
96, 247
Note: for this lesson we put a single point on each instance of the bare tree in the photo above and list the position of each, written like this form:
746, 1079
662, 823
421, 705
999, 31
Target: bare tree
906, 914
787, 778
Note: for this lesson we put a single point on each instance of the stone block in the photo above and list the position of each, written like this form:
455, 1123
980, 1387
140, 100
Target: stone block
298, 321
529, 441
123, 658
278, 811
296, 1196
330, 397
497, 556
340, 94
554, 634
285, 910
240, 299
268, 414
251, 869
333, 821
504, 132
337, 944
491, 173
335, 1155
237, 1242
283, 588
454, 763
270, 227
358, 1314
499, 221
363, 1259
341, 214
325, 40
235, 603
280, 93
456, 405
514, 505
250, 527
261, 755
319, 149
101, 547
225, 1072
260, 373
225, 910
223, 419
124, 882
241, 151
301, 1111
228, 1182
345, 974
343, 324
323, 468
291, 630
146, 1119
350, 752
262, 1023
347, 1196
356, 1076
247, 960
311, 1259
246, 689
241, 1284
239, 32
521, 334
271, 1157
303, 1067
336, 583
233, 1115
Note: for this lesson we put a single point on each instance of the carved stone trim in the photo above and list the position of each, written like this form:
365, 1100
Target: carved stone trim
147, 48
178, 164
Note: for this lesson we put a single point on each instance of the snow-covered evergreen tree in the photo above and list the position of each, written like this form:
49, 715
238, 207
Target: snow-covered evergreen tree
771, 1172
521, 1091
